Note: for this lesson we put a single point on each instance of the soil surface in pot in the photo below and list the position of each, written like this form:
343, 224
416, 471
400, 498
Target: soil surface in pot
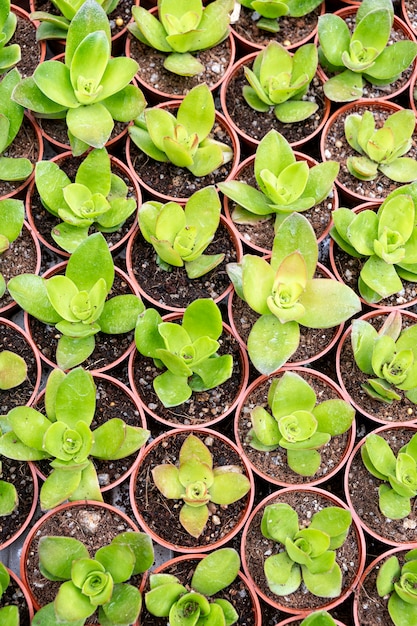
371, 609
257, 548
11, 339
21, 257
14, 596
202, 406
174, 288
349, 269
18, 473
274, 463
256, 125
151, 71
178, 182
262, 233
108, 348
363, 491
399, 410
162, 515
111, 402
337, 148
45, 221
25, 37
237, 593
93, 526
291, 29
25, 145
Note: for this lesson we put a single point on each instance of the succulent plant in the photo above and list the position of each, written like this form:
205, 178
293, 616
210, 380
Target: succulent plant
399, 583
9, 615
9, 54
268, 12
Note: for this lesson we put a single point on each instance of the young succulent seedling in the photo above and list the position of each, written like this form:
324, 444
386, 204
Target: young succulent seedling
387, 237
390, 354
12, 216
268, 12
187, 351
183, 606
90, 89
284, 185
63, 434
93, 584
9, 54
183, 140
308, 553
77, 302
318, 618
399, 582
280, 80
364, 55
382, 149
11, 118
97, 198
298, 423
9, 615
399, 474
286, 294
55, 26
183, 27
180, 235
196, 482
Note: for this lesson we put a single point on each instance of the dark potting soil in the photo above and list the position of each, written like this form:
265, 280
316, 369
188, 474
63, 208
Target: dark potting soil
257, 548
153, 74
25, 145
336, 147
174, 289
237, 593
399, 410
363, 491
93, 526
18, 473
162, 515
292, 30
111, 402
30, 53
45, 221
108, 348
13, 596
12, 340
256, 125
261, 234
274, 464
21, 257
201, 407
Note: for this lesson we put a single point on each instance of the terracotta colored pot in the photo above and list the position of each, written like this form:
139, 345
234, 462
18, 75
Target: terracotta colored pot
8, 267
22, 592
177, 416
275, 461
20, 471
161, 296
250, 134
184, 559
177, 172
91, 522
365, 504
371, 91
247, 43
152, 92
39, 216
352, 567
402, 411
107, 412
242, 318
147, 507
254, 236
376, 608
26, 392
353, 189
17, 188
296, 621
47, 347
408, 15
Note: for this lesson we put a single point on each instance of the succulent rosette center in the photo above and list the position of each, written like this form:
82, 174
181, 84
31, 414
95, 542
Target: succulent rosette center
196, 494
